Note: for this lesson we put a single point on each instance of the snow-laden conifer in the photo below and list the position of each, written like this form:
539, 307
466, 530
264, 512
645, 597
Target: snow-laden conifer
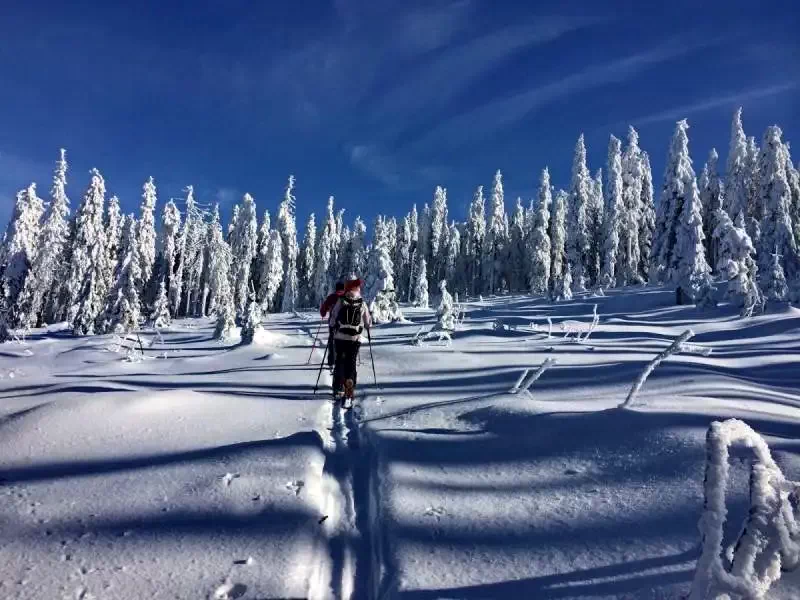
577, 243
307, 262
322, 283
647, 221
272, 273
496, 239
558, 236
630, 222
516, 249
736, 172
777, 235
402, 258
421, 283
775, 280
160, 317
219, 264
595, 216
252, 319
123, 306
170, 228
539, 259
711, 199
287, 227
244, 240
445, 311
146, 236
22, 241
476, 234
737, 261
614, 219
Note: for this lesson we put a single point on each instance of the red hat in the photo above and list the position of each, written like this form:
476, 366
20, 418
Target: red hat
353, 284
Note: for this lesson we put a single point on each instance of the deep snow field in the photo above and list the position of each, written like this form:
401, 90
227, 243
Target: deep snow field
210, 470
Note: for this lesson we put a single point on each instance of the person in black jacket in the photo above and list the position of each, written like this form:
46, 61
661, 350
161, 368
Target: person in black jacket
350, 317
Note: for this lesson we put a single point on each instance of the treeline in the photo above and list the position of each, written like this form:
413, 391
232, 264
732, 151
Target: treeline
103, 271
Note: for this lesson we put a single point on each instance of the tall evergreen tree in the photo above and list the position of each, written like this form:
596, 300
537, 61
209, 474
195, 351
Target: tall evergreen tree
123, 307
577, 225
438, 225
220, 259
710, 199
737, 262
595, 218
630, 221
516, 249
558, 235
288, 229
244, 239
402, 258
451, 263
113, 227
496, 240
539, 259
22, 240
777, 235
355, 255
614, 219
476, 235
146, 237
322, 281
307, 262
421, 282
43, 282
273, 273
170, 228
84, 287
647, 222
736, 173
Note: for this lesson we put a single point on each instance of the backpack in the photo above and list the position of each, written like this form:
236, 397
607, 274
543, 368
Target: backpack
348, 320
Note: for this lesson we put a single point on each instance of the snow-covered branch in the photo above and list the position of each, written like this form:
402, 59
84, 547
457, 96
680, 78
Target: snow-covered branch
770, 538
676, 346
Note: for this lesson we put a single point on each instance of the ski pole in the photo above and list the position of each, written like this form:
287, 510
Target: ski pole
324, 355
372, 358
316, 339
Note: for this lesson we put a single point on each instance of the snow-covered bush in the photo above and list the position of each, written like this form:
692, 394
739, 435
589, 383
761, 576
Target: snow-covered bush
252, 322
160, 317
736, 261
445, 311
770, 537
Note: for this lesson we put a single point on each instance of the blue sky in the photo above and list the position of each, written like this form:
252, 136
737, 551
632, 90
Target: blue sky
373, 101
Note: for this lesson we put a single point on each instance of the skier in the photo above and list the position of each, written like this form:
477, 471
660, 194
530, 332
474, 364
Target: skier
350, 317
325, 310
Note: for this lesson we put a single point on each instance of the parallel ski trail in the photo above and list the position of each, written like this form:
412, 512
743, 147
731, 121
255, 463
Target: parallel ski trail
345, 507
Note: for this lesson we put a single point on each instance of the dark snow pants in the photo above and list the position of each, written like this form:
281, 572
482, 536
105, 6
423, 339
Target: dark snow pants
346, 358
331, 349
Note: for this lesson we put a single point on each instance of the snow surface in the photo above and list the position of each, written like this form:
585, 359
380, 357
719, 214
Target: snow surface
210, 470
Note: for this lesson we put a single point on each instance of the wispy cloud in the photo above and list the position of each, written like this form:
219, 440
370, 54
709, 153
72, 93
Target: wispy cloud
383, 166
461, 65
731, 100
503, 112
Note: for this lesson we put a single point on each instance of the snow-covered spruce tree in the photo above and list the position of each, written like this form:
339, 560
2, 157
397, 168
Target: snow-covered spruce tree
226, 312
322, 283
689, 260
288, 229
219, 261
424, 241
793, 177
777, 234
160, 316
736, 172
354, 257
595, 216
88, 248
438, 224
496, 239
170, 227
629, 247
421, 282
380, 292
452, 257
181, 244
679, 181
737, 261
261, 249
305, 269
558, 235
402, 258
755, 206
476, 234
244, 239
413, 222
711, 199
272, 273
43, 283
577, 244
445, 311
252, 320
113, 227
539, 259
22, 240
516, 249
647, 220
775, 280
614, 219
146, 237
123, 306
